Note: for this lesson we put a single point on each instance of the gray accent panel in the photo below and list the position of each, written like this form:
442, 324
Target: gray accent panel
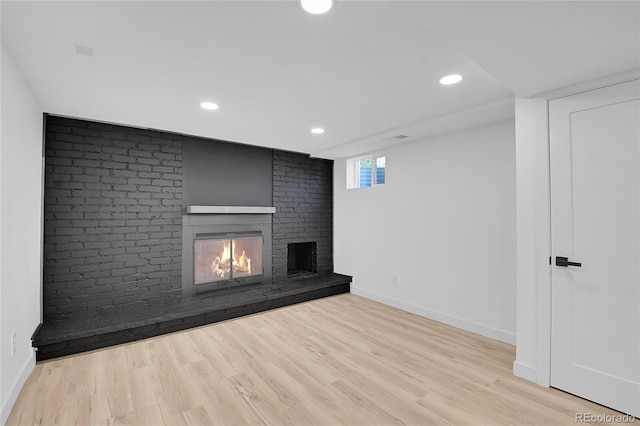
225, 174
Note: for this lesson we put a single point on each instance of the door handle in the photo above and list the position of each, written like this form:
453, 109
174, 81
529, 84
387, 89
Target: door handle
564, 262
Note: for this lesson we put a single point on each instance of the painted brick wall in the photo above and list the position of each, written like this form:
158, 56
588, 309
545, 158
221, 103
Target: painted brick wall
303, 198
113, 198
113, 207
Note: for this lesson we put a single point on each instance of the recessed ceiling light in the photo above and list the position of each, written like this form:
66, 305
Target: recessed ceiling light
448, 80
209, 106
317, 131
316, 7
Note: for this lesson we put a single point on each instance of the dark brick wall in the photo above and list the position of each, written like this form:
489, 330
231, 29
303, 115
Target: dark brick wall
113, 216
303, 198
113, 198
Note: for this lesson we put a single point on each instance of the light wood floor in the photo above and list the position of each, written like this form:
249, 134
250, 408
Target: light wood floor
342, 360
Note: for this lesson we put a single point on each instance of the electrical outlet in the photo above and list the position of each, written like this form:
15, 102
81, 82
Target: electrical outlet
395, 280
14, 343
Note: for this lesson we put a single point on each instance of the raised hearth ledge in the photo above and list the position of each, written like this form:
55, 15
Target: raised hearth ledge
230, 210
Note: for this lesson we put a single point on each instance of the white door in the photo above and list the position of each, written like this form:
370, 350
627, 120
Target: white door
595, 221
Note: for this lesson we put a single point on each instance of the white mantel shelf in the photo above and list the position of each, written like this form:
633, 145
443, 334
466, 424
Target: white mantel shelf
230, 210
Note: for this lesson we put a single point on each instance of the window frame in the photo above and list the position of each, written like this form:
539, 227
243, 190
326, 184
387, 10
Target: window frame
353, 171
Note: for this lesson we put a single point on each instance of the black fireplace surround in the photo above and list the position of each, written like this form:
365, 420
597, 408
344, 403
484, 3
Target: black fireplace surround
115, 213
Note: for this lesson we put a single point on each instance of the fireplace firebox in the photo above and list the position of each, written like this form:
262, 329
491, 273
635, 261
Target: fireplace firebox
223, 257
301, 259
227, 248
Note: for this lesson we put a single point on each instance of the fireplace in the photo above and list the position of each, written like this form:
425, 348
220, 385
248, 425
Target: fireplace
225, 247
226, 257
301, 259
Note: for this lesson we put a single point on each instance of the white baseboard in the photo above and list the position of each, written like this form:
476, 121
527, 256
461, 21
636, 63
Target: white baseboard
17, 387
525, 371
483, 330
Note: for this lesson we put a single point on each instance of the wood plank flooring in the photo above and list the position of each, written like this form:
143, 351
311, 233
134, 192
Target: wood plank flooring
342, 360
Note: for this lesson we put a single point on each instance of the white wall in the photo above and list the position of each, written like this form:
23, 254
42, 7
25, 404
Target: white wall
20, 225
533, 344
445, 222
2, 404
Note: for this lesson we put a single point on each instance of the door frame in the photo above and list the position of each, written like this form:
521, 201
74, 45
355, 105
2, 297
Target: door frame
533, 187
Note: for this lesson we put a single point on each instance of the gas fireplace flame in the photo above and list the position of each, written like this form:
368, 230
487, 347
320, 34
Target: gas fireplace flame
222, 264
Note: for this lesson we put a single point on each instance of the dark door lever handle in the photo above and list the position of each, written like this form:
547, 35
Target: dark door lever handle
564, 262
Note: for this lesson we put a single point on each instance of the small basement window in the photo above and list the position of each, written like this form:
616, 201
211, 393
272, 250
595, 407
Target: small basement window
366, 172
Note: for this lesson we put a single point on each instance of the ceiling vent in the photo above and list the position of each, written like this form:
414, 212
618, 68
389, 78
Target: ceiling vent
84, 50
394, 138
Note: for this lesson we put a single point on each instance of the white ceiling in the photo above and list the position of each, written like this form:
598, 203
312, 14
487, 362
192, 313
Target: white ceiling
365, 71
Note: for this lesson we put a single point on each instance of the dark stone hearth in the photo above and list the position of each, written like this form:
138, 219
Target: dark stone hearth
55, 339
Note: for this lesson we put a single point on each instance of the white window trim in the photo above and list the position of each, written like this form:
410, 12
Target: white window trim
353, 171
